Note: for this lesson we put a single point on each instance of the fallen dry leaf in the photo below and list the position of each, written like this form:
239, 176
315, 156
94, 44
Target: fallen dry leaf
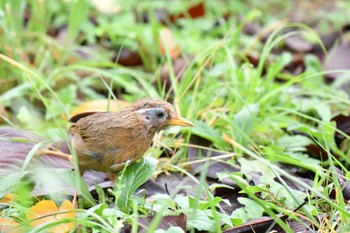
7, 225
49, 209
126, 57
339, 59
193, 12
7, 199
99, 106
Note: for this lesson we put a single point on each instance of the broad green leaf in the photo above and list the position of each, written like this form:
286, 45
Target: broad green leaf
203, 205
250, 166
199, 220
206, 131
322, 109
133, 177
253, 209
67, 96
171, 229
244, 122
182, 201
294, 143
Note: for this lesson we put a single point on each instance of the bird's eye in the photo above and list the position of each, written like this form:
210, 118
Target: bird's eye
157, 113
160, 114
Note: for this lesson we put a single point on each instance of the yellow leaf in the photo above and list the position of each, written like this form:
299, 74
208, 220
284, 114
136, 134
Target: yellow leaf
49, 209
7, 199
6, 224
40, 209
99, 106
66, 206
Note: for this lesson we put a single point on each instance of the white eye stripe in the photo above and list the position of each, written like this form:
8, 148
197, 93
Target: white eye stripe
149, 109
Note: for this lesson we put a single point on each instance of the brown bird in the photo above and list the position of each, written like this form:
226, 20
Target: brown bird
106, 141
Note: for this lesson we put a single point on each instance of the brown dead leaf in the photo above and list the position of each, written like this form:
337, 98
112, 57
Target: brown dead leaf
126, 57
162, 16
166, 43
49, 209
193, 12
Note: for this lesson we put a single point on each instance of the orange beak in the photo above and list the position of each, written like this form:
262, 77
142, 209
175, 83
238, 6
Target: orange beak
180, 121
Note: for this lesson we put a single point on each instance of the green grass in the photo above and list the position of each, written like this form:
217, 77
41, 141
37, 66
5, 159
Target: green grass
247, 113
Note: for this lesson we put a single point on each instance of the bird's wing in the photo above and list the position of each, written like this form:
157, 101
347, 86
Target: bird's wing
77, 117
102, 133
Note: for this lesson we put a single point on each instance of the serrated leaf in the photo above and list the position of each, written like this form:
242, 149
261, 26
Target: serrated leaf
134, 176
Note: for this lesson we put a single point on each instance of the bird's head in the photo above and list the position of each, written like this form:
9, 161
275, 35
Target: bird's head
158, 113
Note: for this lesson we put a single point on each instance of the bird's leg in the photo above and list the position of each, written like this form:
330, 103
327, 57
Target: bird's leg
75, 197
120, 166
117, 167
113, 178
75, 200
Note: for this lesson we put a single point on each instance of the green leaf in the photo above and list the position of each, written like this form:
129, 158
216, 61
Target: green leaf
294, 143
203, 205
322, 109
206, 131
171, 229
133, 177
244, 122
253, 209
182, 201
67, 96
199, 220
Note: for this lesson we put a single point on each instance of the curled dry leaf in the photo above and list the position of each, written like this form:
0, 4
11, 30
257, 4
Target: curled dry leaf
49, 209
166, 42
